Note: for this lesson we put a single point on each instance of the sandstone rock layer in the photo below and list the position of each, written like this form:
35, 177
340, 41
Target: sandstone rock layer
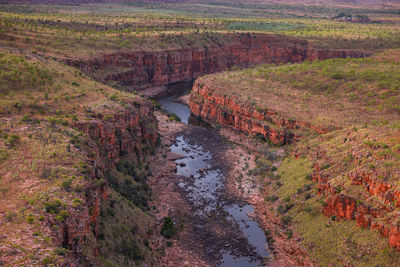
209, 105
140, 69
109, 137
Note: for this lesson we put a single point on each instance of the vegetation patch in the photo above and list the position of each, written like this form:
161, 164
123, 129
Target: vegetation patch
168, 228
327, 240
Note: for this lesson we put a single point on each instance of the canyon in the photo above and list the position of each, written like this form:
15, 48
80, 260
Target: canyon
165, 68
138, 70
198, 133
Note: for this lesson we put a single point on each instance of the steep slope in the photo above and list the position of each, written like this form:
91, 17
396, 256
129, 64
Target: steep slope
70, 150
135, 70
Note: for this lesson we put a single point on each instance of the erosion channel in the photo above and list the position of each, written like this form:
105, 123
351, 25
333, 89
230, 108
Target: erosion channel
224, 232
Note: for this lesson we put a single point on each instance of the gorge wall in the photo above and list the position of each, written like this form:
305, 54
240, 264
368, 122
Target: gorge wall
209, 105
141, 69
363, 193
108, 138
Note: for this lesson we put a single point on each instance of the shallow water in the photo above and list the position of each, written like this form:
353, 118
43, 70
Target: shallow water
179, 109
204, 189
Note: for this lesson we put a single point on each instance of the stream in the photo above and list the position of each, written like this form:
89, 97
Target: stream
238, 241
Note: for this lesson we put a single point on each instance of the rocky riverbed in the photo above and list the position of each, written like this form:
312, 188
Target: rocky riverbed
220, 219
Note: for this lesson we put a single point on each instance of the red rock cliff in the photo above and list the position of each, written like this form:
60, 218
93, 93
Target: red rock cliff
374, 207
108, 138
208, 105
143, 68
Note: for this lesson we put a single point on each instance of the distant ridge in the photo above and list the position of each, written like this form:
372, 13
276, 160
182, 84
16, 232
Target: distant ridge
377, 3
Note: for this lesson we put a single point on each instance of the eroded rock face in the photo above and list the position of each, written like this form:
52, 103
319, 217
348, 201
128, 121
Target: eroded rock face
145, 69
208, 105
379, 215
120, 133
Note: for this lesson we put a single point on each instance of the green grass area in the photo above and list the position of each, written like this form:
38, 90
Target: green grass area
124, 232
222, 9
18, 73
262, 26
36, 88
298, 170
329, 242
59, 35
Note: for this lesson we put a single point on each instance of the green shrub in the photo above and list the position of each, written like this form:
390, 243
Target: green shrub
325, 166
174, 117
307, 187
299, 190
61, 251
66, 184
131, 249
271, 198
47, 260
12, 140
338, 189
282, 209
130, 182
337, 76
26, 118
10, 216
289, 234
285, 220
114, 97
53, 207
108, 117
168, 229
54, 121
3, 155
30, 218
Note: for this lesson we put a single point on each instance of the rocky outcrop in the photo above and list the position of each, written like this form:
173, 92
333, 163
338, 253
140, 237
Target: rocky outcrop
121, 133
379, 213
141, 69
109, 137
208, 105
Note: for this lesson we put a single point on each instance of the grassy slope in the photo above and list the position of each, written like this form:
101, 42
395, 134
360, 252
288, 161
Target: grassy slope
358, 99
44, 160
328, 241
